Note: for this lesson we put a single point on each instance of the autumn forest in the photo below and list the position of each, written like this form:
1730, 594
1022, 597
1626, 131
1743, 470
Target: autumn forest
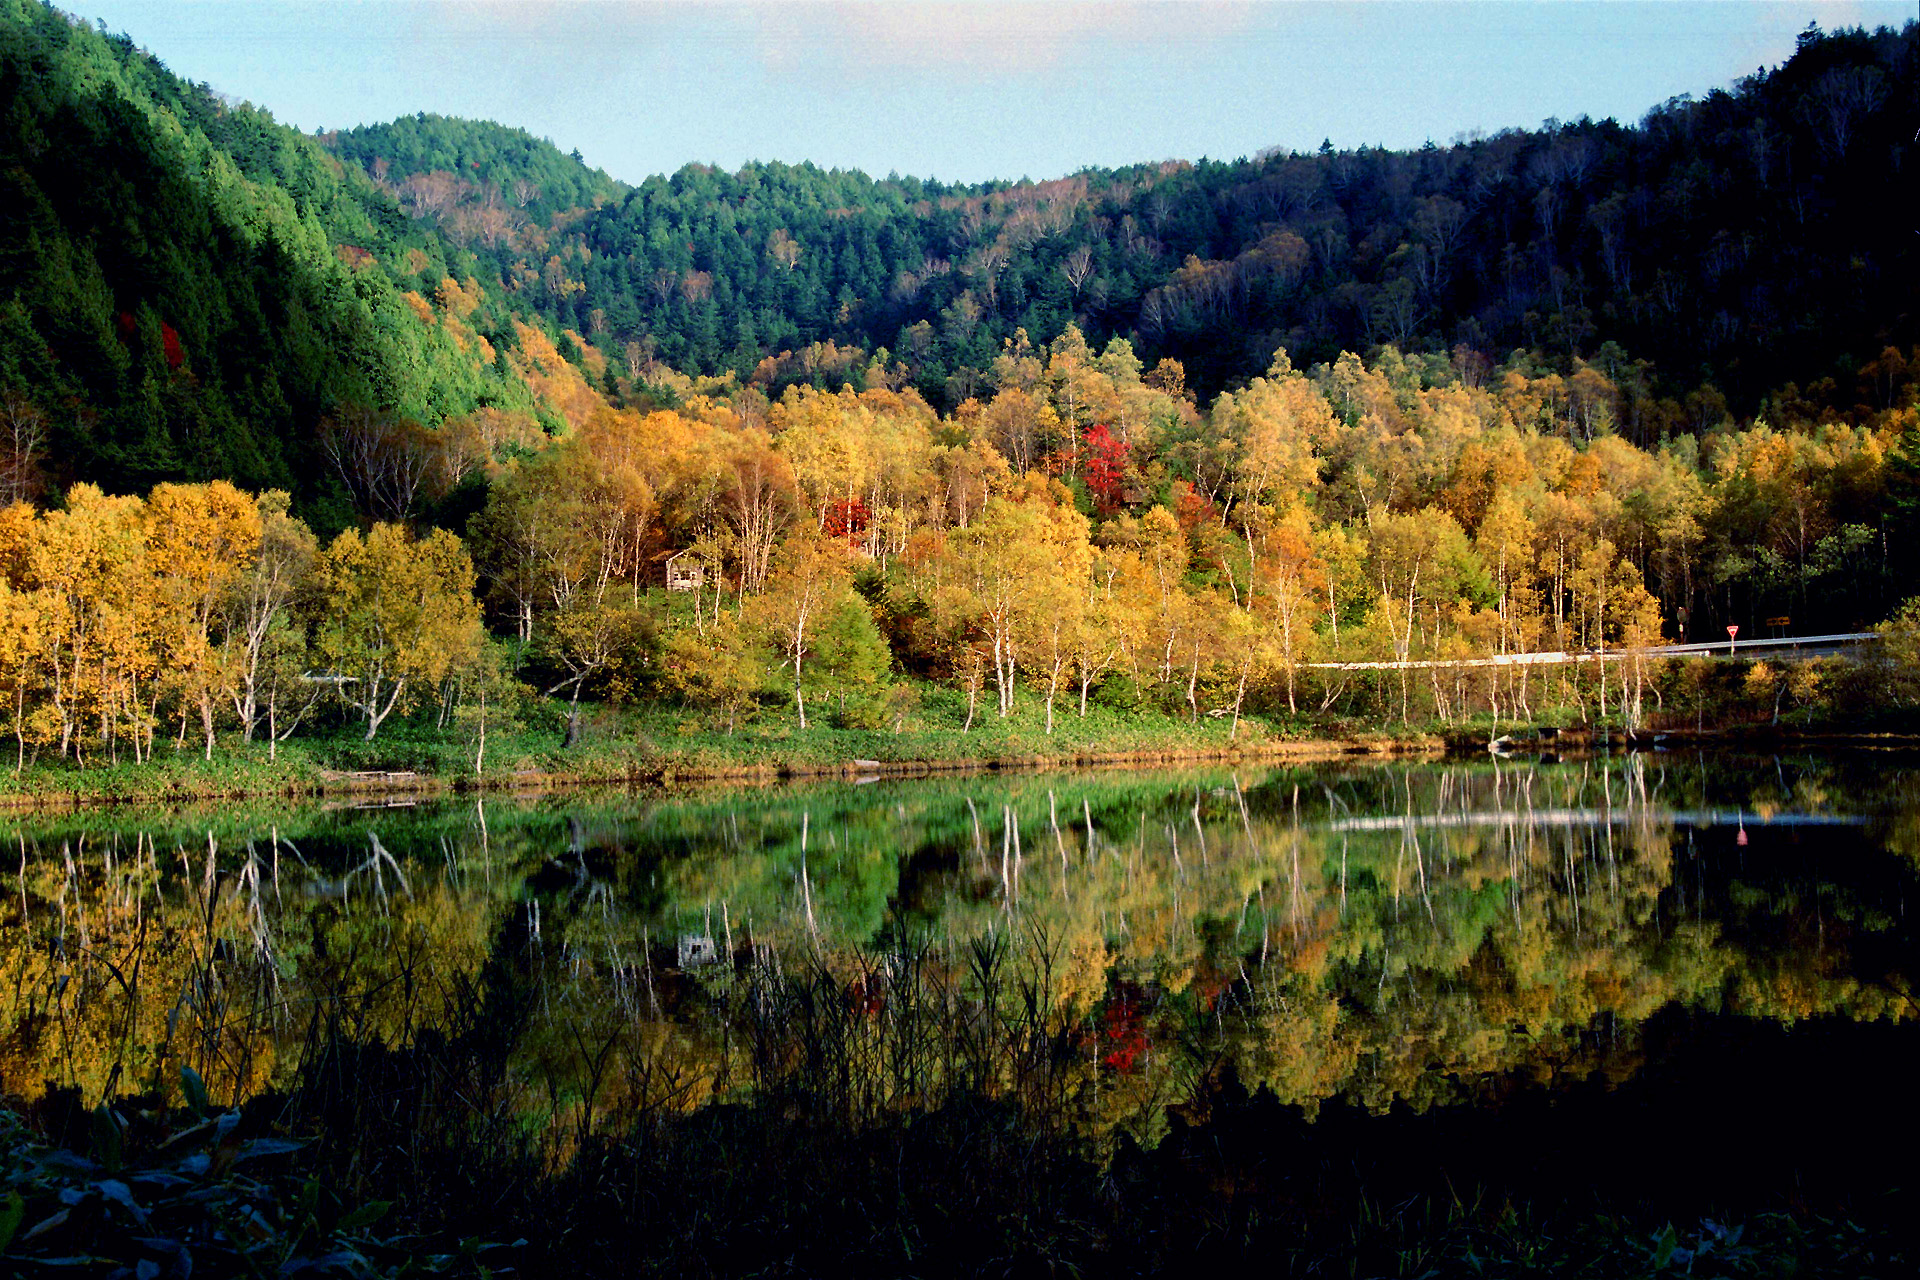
304, 433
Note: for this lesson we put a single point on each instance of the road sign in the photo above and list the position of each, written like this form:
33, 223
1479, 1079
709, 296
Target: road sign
1733, 629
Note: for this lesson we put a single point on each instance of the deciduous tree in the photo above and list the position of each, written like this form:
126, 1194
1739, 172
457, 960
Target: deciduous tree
395, 613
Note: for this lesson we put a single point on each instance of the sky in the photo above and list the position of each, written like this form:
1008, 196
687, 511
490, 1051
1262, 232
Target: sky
969, 91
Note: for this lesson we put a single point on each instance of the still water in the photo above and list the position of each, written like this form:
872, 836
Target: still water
1671, 941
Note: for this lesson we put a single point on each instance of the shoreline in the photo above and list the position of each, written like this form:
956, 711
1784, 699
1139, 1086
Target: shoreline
664, 772
302, 784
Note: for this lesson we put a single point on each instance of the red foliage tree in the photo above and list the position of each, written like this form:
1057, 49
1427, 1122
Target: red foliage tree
847, 519
1124, 1026
1106, 468
1191, 507
170, 344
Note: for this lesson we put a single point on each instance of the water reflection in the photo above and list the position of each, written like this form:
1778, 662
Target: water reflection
1111, 941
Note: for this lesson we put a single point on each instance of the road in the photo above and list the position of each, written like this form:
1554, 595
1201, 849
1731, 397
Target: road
1789, 647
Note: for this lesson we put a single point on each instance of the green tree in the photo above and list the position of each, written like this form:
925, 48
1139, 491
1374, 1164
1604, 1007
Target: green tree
851, 661
720, 666
809, 581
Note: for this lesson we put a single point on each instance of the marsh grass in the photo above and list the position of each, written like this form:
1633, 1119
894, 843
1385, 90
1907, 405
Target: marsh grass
907, 1110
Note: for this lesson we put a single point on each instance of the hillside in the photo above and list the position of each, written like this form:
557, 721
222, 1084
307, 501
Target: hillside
187, 289
478, 180
1745, 238
486, 484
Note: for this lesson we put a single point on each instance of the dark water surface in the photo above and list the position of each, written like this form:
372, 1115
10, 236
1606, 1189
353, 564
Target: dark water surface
1684, 979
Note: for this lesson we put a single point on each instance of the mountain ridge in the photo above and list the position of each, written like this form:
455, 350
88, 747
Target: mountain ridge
219, 285
1742, 231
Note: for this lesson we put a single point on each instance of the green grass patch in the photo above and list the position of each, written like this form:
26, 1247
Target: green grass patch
652, 741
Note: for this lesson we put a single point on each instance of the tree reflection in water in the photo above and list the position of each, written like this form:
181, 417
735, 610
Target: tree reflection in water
1104, 945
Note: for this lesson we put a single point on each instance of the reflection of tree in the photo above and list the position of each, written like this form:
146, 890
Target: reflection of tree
133, 954
1370, 934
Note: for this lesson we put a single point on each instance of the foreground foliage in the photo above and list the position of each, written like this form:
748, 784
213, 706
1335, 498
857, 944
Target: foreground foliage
158, 1193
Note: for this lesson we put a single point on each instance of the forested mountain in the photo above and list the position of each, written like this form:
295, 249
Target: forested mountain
188, 288
479, 180
1749, 237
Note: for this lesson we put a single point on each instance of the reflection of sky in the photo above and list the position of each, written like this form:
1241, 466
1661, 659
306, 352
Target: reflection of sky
965, 92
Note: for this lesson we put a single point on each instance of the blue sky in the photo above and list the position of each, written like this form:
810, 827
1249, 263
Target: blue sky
968, 91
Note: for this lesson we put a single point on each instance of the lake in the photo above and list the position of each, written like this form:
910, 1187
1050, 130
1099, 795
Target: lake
1684, 979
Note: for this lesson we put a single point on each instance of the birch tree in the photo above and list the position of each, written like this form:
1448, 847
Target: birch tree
395, 614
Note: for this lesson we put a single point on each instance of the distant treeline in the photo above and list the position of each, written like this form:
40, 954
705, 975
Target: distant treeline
1746, 238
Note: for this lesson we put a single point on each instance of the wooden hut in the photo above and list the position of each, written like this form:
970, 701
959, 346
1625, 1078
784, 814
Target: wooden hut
686, 571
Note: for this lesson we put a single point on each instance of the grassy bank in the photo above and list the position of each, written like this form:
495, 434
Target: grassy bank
1718, 703
656, 743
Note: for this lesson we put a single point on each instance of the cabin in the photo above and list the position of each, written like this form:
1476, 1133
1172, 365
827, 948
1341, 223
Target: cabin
686, 571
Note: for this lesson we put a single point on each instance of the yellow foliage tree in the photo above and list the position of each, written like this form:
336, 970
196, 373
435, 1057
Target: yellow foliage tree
396, 613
